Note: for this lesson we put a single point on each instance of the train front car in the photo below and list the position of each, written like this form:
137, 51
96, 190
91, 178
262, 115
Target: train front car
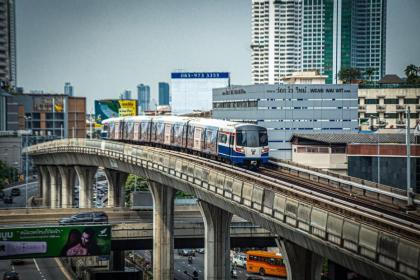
250, 145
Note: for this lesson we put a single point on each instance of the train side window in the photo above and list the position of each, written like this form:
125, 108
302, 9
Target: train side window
232, 140
223, 138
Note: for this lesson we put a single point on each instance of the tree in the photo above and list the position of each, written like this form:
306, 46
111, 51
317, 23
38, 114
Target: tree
349, 75
369, 72
412, 73
134, 183
8, 174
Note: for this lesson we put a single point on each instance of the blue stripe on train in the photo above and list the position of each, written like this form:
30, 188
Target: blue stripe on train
239, 158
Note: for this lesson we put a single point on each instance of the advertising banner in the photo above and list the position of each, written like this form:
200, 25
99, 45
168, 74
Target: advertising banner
112, 108
69, 241
48, 104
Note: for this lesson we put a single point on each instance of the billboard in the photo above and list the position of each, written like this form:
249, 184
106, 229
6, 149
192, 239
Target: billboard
48, 104
41, 242
112, 108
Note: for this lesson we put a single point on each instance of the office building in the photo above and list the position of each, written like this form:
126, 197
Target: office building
68, 89
325, 35
164, 97
126, 95
288, 109
383, 106
143, 97
192, 91
8, 43
53, 115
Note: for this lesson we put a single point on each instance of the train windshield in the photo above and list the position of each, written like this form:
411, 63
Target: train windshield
251, 136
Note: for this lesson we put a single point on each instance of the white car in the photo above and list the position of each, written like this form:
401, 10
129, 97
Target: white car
239, 260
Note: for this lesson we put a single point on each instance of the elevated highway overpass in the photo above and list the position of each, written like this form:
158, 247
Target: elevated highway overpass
363, 228
133, 230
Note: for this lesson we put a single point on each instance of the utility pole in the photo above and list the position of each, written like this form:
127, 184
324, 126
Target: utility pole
408, 148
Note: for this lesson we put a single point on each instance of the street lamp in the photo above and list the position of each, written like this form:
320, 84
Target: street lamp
27, 119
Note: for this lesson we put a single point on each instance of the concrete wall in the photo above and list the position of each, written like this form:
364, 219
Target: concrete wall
393, 170
10, 151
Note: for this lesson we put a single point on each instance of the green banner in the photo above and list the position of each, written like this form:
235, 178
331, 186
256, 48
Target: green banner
56, 241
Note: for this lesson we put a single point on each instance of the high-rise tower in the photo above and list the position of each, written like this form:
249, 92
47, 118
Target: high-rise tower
7, 42
143, 97
163, 93
324, 35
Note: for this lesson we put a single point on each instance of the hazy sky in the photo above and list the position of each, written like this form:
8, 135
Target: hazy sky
105, 46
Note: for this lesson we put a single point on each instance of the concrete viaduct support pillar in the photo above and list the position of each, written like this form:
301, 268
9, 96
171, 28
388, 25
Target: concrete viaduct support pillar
67, 183
45, 185
217, 241
163, 228
301, 264
117, 261
116, 187
39, 182
86, 174
54, 182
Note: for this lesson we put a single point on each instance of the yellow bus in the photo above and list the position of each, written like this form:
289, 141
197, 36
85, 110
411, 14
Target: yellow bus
265, 263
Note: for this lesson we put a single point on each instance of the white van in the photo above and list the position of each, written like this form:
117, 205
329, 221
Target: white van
239, 259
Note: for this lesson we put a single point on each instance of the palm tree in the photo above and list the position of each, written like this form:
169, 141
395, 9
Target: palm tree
411, 71
349, 75
369, 72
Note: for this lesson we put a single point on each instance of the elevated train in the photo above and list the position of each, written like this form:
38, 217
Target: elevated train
238, 143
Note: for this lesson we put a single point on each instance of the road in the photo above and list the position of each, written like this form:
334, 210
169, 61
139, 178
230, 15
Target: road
19, 201
37, 269
181, 264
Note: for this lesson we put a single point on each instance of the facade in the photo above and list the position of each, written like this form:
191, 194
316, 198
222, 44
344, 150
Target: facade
288, 109
164, 96
384, 106
364, 160
68, 89
47, 115
324, 35
192, 91
143, 97
329, 151
306, 78
7, 42
125, 95
11, 149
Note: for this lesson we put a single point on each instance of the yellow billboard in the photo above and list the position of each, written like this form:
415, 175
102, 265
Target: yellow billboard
127, 108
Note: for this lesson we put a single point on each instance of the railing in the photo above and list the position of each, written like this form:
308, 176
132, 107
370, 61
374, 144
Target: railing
351, 184
353, 229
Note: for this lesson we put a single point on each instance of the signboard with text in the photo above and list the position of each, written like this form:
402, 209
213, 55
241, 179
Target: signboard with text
113, 108
41, 242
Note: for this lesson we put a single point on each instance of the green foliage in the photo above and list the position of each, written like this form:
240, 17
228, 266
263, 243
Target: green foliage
180, 194
7, 174
349, 75
369, 72
412, 72
134, 183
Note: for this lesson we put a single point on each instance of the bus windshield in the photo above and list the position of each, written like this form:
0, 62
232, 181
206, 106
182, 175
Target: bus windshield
251, 136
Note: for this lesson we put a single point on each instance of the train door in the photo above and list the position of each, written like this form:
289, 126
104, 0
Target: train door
198, 136
117, 130
136, 131
168, 134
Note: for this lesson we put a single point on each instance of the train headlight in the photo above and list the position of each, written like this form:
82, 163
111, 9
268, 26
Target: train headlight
239, 150
265, 150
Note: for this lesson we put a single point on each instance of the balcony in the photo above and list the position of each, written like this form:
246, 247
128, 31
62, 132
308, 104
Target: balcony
362, 108
400, 123
380, 108
400, 108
